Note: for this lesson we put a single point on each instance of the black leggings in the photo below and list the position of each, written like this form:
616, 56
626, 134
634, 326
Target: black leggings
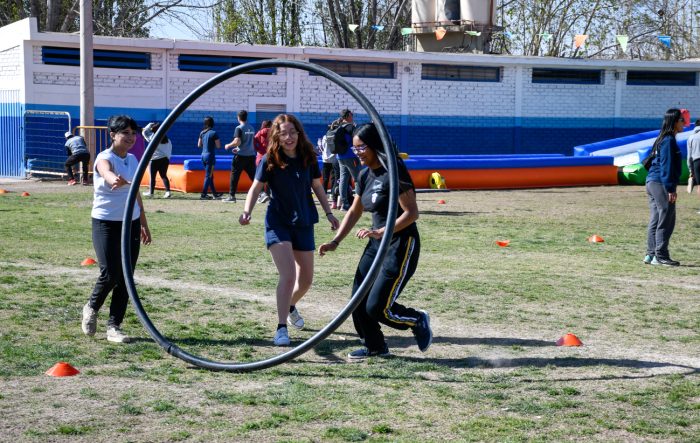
106, 238
159, 166
380, 306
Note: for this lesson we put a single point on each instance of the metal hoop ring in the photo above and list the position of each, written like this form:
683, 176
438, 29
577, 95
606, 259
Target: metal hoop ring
389, 162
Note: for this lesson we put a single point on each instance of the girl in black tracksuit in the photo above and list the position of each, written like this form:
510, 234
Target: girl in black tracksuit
380, 306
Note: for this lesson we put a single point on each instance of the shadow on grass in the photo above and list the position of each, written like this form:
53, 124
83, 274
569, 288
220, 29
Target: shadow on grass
459, 213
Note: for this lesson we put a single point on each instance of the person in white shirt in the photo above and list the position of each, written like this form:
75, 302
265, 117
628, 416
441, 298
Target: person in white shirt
113, 172
160, 160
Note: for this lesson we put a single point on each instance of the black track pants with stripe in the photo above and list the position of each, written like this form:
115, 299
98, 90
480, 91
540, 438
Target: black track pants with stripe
379, 306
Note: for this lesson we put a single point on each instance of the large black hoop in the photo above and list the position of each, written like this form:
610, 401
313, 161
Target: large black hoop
389, 162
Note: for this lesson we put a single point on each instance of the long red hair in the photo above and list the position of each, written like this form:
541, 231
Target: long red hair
305, 150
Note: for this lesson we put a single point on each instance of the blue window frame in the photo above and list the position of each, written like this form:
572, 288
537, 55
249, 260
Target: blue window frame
52, 55
347, 68
662, 78
217, 63
461, 73
567, 76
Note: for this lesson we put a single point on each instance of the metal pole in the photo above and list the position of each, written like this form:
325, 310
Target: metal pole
87, 91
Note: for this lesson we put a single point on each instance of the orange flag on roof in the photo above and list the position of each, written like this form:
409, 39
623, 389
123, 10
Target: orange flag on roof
440, 33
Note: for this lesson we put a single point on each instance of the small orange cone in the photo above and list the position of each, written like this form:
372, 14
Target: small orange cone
62, 369
595, 239
3, 191
503, 243
441, 202
88, 262
569, 340
26, 194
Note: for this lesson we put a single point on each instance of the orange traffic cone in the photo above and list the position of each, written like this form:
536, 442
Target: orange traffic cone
503, 243
595, 239
441, 202
569, 340
26, 194
89, 261
62, 369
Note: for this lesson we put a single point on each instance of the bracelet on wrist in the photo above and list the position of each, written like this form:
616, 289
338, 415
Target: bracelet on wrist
328, 213
335, 242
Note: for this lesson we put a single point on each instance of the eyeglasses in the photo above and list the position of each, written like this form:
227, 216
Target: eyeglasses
359, 149
291, 134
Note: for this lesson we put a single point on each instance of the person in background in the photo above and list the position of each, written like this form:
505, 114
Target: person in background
661, 182
113, 171
77, 152
243, 154
380, 305
260, 144
209, 142
694, 159
160, 160
331, 170
349, 163
290, 169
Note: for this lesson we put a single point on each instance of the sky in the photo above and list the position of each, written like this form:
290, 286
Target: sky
162, 27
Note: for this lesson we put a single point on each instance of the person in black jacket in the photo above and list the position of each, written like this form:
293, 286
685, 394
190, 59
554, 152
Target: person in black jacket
661, 182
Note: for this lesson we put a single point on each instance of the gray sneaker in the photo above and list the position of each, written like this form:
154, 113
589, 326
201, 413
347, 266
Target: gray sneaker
89, 323
115, 334
229, 199
296, 319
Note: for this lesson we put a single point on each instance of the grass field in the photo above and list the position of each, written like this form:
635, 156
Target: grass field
492, 374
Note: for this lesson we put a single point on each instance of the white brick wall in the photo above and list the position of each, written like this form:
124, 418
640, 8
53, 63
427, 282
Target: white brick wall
318, 94
231, 95
36, 55
10, 63
653, 101
105, 81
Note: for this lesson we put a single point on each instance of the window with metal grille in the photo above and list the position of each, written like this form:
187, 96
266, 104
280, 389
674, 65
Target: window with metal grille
570, 76
347, 68
217, 63
52, 55
662, 78
461, 73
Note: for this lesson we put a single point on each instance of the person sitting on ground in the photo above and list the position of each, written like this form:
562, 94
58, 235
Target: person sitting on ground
160, 160
291, 170
379, 305
77, 152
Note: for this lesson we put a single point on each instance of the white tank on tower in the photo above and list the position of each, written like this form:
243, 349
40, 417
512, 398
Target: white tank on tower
478, 11
423, 11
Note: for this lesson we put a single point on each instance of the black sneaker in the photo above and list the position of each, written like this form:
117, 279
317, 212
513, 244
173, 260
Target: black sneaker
365, 353
206, 197
665, 262
218, 194
422, 332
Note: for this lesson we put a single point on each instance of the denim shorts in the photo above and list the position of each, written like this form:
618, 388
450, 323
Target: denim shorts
301, 238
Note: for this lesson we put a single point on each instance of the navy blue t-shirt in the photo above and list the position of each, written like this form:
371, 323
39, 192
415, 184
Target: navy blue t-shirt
374, 194
209, 138
291, 203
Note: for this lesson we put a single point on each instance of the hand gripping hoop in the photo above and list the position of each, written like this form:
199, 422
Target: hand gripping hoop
389, 162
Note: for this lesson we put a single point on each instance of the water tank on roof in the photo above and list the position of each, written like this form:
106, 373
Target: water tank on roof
447, 11
478, 11
423, 11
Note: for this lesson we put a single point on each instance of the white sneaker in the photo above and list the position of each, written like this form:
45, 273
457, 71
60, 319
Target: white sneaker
167, 194
263, 197
115, 334
147, 194
281, 337
296, 319
89, 323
